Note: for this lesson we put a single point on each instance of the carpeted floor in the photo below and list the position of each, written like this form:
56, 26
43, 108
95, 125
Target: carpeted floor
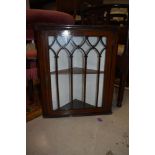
89, 135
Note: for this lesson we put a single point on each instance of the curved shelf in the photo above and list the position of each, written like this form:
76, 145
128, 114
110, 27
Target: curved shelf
77, 70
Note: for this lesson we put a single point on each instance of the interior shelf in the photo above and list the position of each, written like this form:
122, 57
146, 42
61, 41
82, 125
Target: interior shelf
77, 70
77, 104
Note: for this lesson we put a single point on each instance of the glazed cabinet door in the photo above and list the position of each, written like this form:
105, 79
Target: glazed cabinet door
76, 66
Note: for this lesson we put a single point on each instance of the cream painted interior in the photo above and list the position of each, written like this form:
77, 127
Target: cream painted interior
78, 61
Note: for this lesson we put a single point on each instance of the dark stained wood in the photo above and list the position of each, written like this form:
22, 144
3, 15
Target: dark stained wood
98, 78
78, 30
122, 68
77, 70
77, 112
76, 104
71, 81
57, 81
36, 112
85, 74
42, 32
109, 69
44, 76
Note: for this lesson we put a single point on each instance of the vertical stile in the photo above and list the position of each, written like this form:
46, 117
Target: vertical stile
85, 72
57, 82
98, 79
71, 74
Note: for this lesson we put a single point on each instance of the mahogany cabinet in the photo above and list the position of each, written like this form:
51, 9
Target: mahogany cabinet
76, 68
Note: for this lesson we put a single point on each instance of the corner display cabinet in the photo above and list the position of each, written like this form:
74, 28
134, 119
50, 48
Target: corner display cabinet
76, 67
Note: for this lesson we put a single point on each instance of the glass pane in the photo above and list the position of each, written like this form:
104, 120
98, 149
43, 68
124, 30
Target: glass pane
62, 50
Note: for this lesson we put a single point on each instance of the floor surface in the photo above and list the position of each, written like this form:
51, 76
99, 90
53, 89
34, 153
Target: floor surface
88, 135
